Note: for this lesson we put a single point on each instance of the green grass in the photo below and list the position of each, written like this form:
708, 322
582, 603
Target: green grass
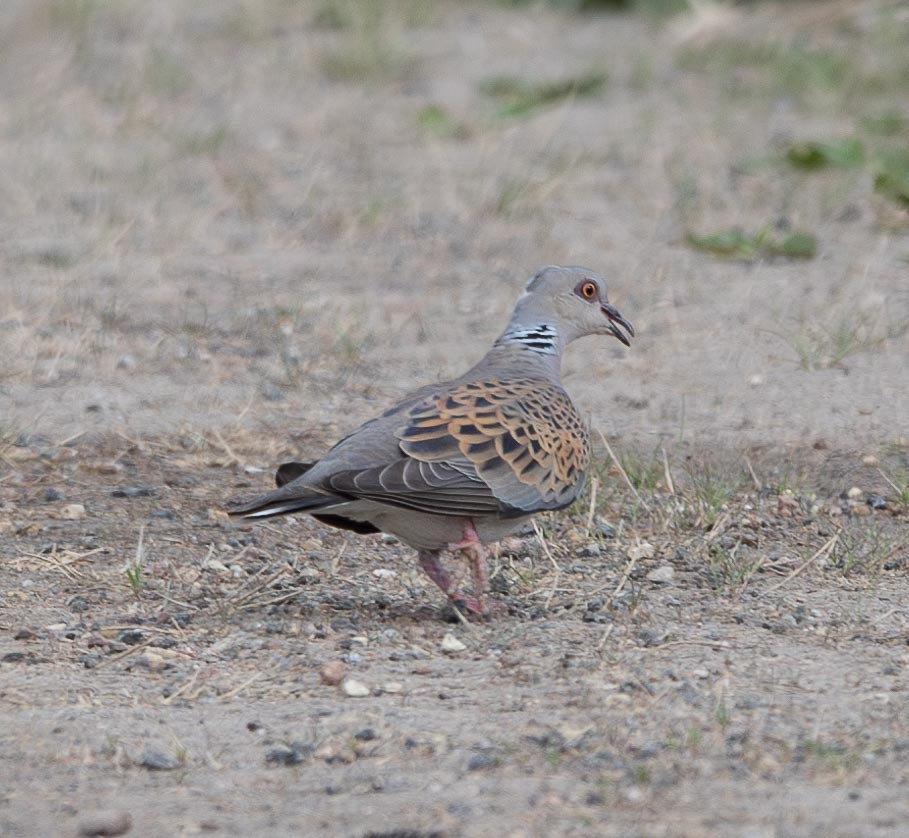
824, 345
863, 549
434, 119
734, 243
371, 48
776, 68
814, 154
891, 175
519, 97
713, 489
731, 569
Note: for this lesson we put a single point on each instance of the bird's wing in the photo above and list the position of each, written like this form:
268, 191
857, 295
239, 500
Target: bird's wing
437, 488
489, 447
522, 437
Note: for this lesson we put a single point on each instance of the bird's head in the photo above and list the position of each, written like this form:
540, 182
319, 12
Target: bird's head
573, 301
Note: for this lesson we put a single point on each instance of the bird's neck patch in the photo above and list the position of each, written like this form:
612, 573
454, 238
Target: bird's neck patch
542, 339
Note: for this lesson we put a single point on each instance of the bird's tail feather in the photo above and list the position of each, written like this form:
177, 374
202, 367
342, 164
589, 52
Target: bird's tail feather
281, 502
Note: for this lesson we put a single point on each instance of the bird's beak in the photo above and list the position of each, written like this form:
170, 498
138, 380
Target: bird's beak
615, 320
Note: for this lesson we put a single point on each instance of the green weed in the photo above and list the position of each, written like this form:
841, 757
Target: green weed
735, 243
519, 97
814, 154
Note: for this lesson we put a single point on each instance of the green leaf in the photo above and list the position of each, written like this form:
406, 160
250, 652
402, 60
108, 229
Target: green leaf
891, 175
731, 243
812, 154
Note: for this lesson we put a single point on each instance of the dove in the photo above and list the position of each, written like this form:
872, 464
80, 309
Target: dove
458, 465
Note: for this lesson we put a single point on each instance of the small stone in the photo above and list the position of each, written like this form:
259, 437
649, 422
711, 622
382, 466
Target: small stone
451, 644
292, 754
131, 637
354, 689
663, 574
482, 761
591, 550
756, 380
605, 529
72, 512
854, 493
151, 661
272, 392
155, 760
52, 494
126, 362
25, 634
384, 573
133, 492
393, 687
870, 460
876, 501
105, 824
644, 550
365, 735
332, 673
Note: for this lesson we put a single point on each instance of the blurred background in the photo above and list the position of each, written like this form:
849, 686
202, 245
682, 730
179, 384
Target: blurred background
271, 217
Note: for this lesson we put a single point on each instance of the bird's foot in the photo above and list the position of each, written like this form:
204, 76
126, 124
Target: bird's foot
476, 557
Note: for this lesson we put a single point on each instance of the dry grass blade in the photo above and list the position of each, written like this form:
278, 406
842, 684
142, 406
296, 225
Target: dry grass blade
618, 465
670, 486
555, 564
239, 688
826, 548
591, 511
124, 654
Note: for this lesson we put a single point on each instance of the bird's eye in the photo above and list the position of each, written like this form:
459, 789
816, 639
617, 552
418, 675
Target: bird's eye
587, 290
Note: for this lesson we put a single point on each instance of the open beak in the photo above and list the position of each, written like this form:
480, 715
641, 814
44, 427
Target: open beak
615, 320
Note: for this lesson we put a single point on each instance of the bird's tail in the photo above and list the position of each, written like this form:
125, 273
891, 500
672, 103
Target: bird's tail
286, 499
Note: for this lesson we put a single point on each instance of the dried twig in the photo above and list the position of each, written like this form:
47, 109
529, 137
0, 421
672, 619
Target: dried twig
594, 485
828, 546
555, 564
618, 465
667, 474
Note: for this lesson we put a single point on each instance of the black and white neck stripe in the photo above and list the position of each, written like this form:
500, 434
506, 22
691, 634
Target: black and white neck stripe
541, 338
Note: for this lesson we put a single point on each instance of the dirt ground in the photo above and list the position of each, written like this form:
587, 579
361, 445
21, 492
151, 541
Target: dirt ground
232, 231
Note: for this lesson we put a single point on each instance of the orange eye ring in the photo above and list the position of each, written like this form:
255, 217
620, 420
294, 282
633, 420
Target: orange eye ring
587, 290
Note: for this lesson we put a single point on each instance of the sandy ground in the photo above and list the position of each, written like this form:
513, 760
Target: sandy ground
231, 231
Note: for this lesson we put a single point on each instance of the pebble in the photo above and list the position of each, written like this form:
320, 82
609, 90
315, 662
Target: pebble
52, 494
384, 573
644, 550
292, 754
665, 573
605, 529
133, 492
155, 760
354, 688
393, 687
72, 512
331, 673
854, 493
451, 644
105, 824
151, 661
591, 550
876, 501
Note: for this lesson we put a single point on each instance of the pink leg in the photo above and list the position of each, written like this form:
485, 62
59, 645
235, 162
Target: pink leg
431, 565
475, 552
